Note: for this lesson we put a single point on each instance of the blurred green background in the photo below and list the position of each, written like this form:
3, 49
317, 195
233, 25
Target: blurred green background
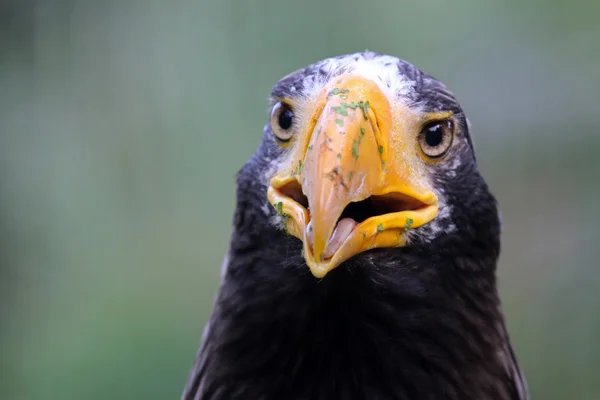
123, 123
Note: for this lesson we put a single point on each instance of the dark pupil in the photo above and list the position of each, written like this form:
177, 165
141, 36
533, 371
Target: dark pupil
433, 137
285, 119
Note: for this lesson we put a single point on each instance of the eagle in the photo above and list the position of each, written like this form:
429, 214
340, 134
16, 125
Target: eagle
363, 254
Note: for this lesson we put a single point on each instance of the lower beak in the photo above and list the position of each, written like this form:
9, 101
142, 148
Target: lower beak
348, 192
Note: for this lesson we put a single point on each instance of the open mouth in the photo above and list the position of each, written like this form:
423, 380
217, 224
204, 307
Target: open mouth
360, 211
354, 214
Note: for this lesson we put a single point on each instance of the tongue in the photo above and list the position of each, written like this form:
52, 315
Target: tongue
342, 230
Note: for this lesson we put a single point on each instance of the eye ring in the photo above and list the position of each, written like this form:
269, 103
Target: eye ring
436, 138
282, 121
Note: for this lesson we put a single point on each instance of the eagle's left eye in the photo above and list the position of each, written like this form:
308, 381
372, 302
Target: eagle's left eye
436, 138
282, 121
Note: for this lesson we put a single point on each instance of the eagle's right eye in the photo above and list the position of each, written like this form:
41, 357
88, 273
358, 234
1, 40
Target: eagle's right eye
282, 121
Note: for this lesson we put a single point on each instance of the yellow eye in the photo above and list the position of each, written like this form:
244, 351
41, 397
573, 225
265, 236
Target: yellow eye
436, 138
282, 121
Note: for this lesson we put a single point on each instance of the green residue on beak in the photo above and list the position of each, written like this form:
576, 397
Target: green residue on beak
364, 107
337, 91
286, 216
298, 169
380, 228
408, 223
355, 149
341, 110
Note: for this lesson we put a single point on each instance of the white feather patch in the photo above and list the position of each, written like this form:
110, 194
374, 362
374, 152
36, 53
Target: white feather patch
381, 69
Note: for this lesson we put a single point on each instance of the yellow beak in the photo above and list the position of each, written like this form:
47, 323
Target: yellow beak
353, 183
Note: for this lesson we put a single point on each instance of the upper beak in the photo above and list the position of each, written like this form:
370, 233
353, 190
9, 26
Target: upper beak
351, 153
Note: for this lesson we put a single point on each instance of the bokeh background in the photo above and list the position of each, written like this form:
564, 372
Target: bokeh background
123, 123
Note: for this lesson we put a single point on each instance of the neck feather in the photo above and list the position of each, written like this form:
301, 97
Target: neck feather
384, 325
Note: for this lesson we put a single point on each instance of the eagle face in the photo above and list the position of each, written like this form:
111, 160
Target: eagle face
366, 175
365, 152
